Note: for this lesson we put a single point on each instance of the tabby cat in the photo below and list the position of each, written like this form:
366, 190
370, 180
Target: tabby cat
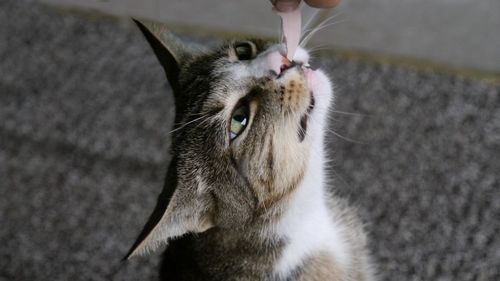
246, 196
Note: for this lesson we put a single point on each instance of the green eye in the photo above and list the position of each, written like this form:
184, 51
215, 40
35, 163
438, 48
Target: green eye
239, 121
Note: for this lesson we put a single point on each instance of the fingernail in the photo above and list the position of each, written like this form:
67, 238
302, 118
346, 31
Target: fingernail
286, 6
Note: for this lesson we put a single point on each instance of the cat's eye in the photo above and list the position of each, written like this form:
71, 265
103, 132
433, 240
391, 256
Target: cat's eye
245, 50
239, 121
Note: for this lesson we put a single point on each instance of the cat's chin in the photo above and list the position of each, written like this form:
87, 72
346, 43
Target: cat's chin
304, 120
320, 87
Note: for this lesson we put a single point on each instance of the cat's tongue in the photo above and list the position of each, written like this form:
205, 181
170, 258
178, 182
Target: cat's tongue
291, 27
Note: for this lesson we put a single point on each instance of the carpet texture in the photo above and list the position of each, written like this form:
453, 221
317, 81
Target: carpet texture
85, 113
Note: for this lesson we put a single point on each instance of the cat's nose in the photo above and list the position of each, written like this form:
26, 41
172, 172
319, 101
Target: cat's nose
278, 63
287, 64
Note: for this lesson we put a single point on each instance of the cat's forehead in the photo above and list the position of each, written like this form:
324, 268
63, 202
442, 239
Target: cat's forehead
231, 78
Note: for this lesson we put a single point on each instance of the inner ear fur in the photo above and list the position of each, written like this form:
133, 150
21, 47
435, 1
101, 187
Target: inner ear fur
181, 217
180, 209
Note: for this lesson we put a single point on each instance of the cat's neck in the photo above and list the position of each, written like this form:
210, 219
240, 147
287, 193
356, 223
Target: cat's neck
280, 246
307, 224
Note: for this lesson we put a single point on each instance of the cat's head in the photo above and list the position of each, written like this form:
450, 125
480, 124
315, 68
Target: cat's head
247, 124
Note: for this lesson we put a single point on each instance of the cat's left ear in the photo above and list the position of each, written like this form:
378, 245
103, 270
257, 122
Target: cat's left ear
180, 209
168, 48
182, 216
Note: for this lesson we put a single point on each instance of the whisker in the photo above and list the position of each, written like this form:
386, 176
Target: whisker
307, 27
314, 51
318, 48
348, 113
345, 138
318, 20
312, 29
185, 124
208, 119
312, 33
337, 134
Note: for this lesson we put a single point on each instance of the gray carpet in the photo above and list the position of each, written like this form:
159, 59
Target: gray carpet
85, 114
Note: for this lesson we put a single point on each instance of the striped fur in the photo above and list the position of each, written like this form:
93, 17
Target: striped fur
256, 207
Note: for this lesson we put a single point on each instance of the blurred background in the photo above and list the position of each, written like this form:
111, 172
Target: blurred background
85, 114
461, 33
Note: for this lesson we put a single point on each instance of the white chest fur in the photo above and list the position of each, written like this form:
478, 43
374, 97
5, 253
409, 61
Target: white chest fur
308, 226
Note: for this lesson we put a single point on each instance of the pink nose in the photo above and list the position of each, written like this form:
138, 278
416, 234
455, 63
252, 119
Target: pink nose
276, 60
280, 63
285, 64
289, 64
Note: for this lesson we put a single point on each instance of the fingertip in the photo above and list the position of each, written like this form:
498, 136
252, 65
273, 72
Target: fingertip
285, 5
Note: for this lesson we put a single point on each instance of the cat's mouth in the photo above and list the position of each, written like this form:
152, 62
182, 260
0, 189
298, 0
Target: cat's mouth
305, 119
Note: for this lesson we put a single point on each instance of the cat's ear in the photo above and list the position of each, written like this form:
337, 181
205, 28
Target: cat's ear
179, 210
168, 48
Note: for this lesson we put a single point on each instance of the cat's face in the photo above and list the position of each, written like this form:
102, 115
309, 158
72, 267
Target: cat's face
258, 113
248, 122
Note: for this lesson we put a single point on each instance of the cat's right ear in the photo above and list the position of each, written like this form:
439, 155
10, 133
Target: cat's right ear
168, 48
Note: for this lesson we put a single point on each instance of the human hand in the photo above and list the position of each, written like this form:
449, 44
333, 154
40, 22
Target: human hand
290, 5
